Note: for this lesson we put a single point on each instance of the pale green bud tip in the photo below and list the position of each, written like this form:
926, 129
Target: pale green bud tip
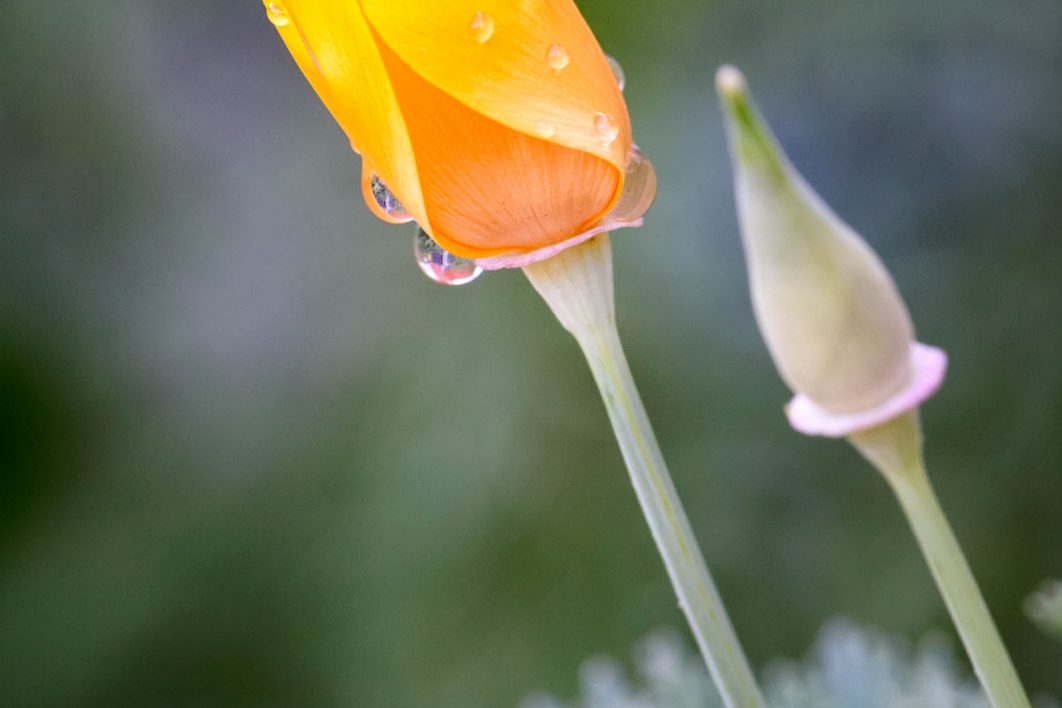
729, 81
750, 139
828, 310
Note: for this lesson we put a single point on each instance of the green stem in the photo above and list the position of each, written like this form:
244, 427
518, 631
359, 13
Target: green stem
895, 449
577, 284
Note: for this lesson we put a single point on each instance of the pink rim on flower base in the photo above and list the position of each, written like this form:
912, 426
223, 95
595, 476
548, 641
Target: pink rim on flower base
519, 260
929, 365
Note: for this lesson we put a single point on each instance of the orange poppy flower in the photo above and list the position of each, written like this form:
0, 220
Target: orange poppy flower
498, 125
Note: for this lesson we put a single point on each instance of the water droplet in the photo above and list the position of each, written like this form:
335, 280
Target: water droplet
604, 127
388, 202
557, 56
482, 26
639, 188
277, 14
545, 129
440, 265
617, 71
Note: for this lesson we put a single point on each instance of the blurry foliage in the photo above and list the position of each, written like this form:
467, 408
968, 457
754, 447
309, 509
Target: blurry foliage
250, 457
848, 666
1044, 607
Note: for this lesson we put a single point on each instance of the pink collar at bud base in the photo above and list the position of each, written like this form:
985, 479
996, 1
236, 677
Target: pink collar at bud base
929, 365
519, 260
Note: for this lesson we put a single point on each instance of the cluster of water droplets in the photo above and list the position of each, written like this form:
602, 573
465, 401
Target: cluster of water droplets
434, 261
558, 59
639, 184
603, 124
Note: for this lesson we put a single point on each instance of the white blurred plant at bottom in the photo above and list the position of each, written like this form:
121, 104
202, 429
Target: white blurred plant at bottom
847, 666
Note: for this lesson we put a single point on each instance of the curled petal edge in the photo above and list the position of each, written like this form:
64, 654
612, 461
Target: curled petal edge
929, 365
519, 260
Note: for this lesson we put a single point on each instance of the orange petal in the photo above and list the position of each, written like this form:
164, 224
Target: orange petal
532, 65
489, 189
338, 53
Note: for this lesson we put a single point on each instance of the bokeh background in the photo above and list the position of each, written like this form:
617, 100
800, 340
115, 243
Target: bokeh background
249, 456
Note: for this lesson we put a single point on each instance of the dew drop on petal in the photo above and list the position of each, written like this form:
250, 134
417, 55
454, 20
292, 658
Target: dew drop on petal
545, 130
482, 26
388, 202
440, 265
617, 71
557, 56
639, 189
605, 128
277, 14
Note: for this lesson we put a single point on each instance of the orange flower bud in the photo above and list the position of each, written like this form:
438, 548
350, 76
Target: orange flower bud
498, 125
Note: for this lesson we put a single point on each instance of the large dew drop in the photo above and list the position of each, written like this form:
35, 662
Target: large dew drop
545, 130
557, 57
388, 202
482, 26
605, 128
639, 189
277, 14
440, 265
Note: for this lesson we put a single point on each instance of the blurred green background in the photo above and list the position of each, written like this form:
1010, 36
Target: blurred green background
249, 456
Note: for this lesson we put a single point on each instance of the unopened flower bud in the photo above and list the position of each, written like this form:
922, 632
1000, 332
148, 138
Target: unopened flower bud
831, 316
499, 127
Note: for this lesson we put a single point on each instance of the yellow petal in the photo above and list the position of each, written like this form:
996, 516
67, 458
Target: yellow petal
336, 50
489, 189
500, 58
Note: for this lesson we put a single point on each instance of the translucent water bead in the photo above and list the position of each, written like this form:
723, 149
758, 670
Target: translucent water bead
639, 188
277, 14
392, 208
440, 265
617, 71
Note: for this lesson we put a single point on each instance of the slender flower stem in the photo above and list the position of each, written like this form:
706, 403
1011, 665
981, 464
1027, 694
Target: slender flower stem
577, 285
895, 449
